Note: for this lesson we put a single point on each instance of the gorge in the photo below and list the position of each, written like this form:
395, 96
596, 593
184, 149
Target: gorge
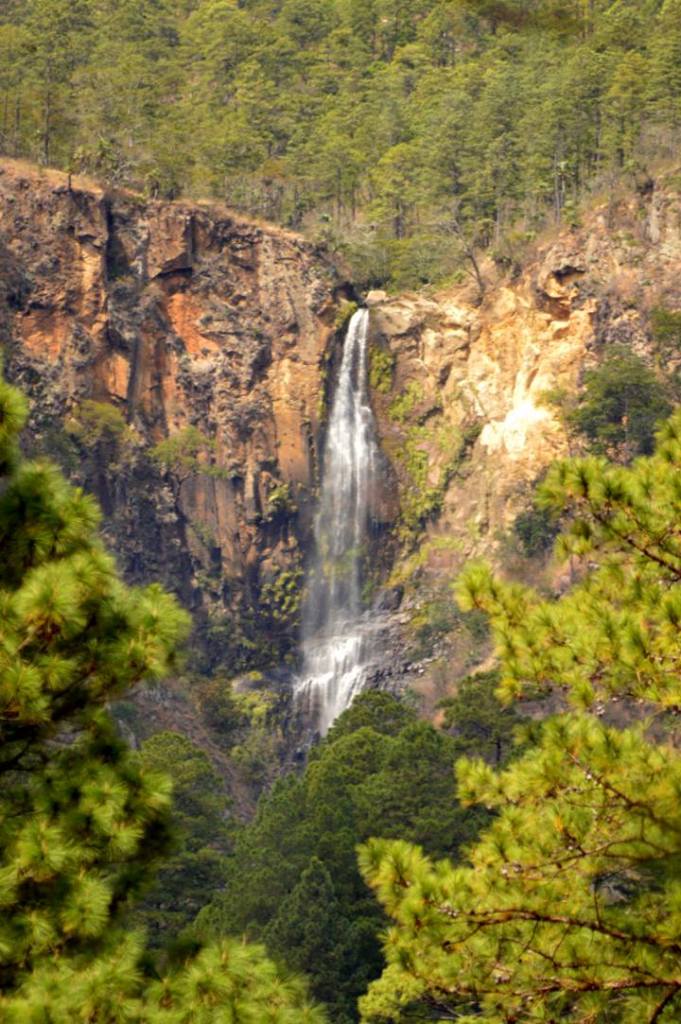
283, 461
184, 325
340, 491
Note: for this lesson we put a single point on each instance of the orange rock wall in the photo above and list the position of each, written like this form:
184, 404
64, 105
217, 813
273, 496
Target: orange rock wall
179, 314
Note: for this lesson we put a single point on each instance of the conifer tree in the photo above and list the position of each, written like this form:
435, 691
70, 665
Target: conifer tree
83, 823
368, 123
570, 906
293, 882
195, 870
310, 929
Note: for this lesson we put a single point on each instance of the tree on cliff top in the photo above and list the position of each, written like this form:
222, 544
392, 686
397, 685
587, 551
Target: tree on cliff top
570, 906
405, 133
83, 823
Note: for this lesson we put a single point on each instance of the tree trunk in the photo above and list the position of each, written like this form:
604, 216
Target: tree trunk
469, 253
47, 123
17, 125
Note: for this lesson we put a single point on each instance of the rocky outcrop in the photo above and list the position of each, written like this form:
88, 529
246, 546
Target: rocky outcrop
193, 325
471, 385
463, 390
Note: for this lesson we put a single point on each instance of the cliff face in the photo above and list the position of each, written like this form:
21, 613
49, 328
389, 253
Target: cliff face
178, 316
463, 389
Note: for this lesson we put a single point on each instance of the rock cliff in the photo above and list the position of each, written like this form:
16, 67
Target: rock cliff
175, 358
178, 360
463, 394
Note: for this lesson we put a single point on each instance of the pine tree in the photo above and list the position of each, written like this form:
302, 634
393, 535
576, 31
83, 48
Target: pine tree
664, 83
620, 405
569, 908
310, 930
293, 881
56, 42
196, 868
83, 823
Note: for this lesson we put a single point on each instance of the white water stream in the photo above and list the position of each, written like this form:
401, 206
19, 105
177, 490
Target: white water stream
336, 634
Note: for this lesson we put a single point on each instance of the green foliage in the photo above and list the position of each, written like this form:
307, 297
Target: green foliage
97, 422
666, 331
403, 406
567, 908
199, 800
375, 710
196, 870
420, 498
221, 708
479, 721
84, 823
423, 493
14, 412
185, 454
257, 756
258, 751
311, 928
381, 365
225, 646
620, 405
344, 314
280, 503
536, 529
293, 881
405, 134
282, 597
94, 444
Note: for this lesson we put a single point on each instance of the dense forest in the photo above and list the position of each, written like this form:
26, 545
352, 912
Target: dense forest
503, 848
406, 134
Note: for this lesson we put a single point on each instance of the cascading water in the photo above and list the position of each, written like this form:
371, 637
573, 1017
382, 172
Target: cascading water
336, 635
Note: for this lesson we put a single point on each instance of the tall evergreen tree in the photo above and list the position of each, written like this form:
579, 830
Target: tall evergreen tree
310, 932
83, 823
195, 869
569, 907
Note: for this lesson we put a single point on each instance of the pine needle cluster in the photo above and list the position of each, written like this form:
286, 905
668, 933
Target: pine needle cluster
83, 823
569, 907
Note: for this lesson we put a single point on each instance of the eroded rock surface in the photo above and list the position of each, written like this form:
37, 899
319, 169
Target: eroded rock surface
471, 384
180, 316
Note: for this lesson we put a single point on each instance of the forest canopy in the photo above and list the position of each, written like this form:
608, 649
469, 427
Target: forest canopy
293, 881
403, 133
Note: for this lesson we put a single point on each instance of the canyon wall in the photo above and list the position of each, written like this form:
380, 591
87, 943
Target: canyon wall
175, 359
213, 340
467, 395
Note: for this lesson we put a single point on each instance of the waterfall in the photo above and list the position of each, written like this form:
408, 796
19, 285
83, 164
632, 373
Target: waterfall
336, 636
